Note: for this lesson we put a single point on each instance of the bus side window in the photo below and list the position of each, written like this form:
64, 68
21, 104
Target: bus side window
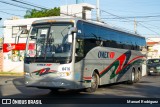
79, 48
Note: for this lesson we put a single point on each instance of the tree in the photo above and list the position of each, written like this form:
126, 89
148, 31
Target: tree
42, 13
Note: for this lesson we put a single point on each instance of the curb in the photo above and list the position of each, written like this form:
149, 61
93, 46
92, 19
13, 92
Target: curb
11, 74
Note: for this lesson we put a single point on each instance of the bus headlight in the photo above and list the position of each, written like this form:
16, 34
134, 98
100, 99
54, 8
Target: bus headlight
64, 74
27, 74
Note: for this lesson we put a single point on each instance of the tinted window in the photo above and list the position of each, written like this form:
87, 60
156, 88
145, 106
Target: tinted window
109, 37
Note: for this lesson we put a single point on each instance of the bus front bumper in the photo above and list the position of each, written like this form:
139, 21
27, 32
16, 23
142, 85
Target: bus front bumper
54, 83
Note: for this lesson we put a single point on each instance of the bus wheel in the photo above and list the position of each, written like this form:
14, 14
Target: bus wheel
139, 75
132, 77
94, 83
136, 76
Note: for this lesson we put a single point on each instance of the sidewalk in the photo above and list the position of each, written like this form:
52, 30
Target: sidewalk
11, 74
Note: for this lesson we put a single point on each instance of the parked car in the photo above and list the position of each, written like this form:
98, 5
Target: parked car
153, 66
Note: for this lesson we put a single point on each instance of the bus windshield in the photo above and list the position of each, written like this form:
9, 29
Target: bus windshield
49, 43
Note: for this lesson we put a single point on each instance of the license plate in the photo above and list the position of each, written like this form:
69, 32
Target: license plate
151, 71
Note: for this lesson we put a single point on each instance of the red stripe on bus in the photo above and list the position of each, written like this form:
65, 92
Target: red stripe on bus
122, 67
133, 60
87, 78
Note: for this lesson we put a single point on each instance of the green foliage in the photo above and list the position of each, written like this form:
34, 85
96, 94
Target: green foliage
42, 13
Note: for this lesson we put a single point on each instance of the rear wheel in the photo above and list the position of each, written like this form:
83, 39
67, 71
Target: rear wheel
94, 83
139, 74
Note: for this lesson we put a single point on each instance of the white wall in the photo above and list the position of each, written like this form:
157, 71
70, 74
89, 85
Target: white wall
153, 39
76, 10
8, 28
8, 64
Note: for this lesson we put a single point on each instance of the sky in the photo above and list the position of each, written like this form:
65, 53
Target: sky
118, 13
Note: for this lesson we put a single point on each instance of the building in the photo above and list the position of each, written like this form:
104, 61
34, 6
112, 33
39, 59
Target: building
13, 53
1, 54
153, 46
82, 10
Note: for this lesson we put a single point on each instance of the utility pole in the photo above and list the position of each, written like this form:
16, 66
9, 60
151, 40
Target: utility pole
135, 26
79, 1
67, 6
98, 11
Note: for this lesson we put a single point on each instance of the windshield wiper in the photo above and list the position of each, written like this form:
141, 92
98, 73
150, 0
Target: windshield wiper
64, 30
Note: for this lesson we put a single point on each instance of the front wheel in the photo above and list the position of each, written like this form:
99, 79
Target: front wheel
94, 83
139, 75
132, 77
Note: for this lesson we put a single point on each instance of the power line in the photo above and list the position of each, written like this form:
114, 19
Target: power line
148, 34
15, 5
125, 18
137, 21
150, 21
148, 28
153, 26
132, 17
126, 11
117, 17
10, 13
29, 4
12, 10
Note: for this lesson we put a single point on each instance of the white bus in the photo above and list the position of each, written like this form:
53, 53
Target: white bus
71, 53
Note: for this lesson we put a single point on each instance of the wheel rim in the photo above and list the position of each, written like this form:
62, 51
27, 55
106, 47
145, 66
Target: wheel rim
133, 76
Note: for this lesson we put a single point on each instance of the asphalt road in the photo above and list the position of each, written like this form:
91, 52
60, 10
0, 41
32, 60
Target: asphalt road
147, 87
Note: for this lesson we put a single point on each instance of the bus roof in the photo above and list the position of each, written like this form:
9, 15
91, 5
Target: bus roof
73, 19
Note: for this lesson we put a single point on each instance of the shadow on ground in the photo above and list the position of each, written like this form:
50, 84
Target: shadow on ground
144, 89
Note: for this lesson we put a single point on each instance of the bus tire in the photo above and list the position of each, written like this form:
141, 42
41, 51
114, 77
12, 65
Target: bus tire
94, 83
139, 74
136, 76
132, 77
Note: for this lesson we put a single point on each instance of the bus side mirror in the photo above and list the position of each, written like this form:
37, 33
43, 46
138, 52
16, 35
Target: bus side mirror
70, 34
72, 30
69, 38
